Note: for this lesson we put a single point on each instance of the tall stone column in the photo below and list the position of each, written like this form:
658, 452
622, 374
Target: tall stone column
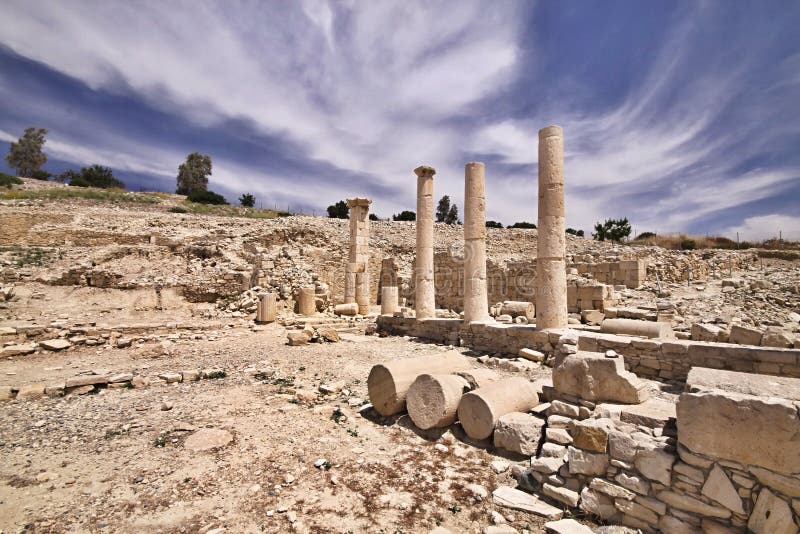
356, 283
424, 290
476, 300
551, 276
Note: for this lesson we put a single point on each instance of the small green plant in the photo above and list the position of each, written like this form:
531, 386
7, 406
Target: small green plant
523, 224
455, 507
160, 441
327, 465
178, 209
6, 180
353, 432
206, 197
337, 415
688, 244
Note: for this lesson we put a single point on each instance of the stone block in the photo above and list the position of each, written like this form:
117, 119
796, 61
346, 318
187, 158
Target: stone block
744, 335
591, 434
598, 504
518, 432
55, 344
747, 429
655, 463
704, 379
31, 392
692, 505
592, 376
586, 463
718, 487
771, 515
515, 499
563, 495
566, 526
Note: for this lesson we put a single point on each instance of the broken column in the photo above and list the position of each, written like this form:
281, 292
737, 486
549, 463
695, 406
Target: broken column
479, 410
390, 293
432, 400
425, 292
476, 300
551, 277
306, 301
267, 308
356, 285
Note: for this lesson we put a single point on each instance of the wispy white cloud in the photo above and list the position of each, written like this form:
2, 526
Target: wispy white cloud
766, 227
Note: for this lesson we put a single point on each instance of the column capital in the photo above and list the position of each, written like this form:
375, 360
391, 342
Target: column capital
353, 202
424, 171
551, 131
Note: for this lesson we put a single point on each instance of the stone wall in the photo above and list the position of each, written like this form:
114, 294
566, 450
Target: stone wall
665, 359
630, 273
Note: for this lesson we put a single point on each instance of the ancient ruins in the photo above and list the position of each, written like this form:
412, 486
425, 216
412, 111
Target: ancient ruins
189, 373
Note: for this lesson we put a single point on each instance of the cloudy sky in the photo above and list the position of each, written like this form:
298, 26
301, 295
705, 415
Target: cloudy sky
680, 115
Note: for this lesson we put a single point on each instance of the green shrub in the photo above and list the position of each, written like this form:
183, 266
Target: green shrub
41, 174
523, 224
493, 224
646, 235
206, 197
6, 180
688, 244
178, 209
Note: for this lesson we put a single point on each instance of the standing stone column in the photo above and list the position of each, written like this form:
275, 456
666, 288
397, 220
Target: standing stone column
390, 293
306, 301
357, 283
476, 300
424, 290
267, 308
551, 276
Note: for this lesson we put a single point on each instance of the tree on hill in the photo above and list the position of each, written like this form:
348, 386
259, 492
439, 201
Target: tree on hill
572, 231
523, 224
493, 224
405, 216
612, 230
193, 174
26, 154
340, 210
452, 215
93, 176
443, 209
373, 217
247, 200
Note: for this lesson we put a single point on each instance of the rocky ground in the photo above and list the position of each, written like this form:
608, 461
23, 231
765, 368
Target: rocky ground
295, 450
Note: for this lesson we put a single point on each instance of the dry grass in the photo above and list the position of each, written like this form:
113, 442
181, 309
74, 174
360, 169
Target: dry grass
693, 242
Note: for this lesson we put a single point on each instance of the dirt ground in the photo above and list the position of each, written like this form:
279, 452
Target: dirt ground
114, 461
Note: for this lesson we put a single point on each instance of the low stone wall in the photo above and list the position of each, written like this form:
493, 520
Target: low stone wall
665, 359
630, 273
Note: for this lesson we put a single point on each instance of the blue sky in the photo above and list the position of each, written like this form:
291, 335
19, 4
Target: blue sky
680, 115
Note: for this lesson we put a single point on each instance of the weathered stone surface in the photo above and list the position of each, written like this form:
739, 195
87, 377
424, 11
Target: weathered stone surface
19, 350
31, 392
586, 463
559, 435
771, 515
566, 409
690, 504
592, 376
655, 463
564, 495
532, 355
85, 380
597, 503
591, 434
718, 487
775, 337
622, 446
297, 338
170, 378
519, 500
612, 490
743, 428
710, 526
705, 332
633, 483
784, 484
705, 379
672, 525
744, 335
652, 413
6, 393
518, 432
566, 526
548, 466
120, 377
637, 511
55, 344
207, 439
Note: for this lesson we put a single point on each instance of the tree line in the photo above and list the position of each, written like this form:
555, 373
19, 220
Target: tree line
27, 156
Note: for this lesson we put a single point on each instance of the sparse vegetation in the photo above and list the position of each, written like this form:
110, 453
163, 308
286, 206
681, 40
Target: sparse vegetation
373, 217
90, 193
26, 154
24, 256
247, 200
6, 180
616, 230
178, 209
523, 224
577, 233
41, 174
493, 224
340, 210
193, 174
93, 176
206, 197
405, 216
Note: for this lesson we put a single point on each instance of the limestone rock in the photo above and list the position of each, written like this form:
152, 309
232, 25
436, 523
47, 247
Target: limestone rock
564, 495
515, 499
655, 463
518, 432
592, 376
743, 428
771, 515
55, 344
6, 393
566, 526
690, 504
86, 380
208, 438
743, 335
718, 487
298, 338
591, 434
612, 490
586, 463
532, 355
784, 484
19, 350
598, 504
31, 392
